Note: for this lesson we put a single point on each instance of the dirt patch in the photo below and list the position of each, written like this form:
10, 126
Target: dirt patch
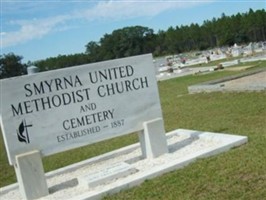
258, 79
238, 68
247, 81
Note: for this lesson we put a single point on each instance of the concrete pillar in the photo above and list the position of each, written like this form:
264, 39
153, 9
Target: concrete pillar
153, 139
31, 176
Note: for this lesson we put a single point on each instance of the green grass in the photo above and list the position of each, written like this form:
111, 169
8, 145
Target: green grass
237, 174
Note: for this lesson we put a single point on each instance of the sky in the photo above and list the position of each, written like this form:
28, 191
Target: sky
39, 29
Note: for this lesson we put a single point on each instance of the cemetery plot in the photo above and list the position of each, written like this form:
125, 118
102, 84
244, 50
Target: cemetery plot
246, 81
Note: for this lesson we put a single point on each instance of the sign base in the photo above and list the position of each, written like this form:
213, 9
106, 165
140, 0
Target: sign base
153, 139
30, 175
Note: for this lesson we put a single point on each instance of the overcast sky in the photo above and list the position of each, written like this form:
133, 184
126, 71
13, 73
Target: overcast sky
41, 29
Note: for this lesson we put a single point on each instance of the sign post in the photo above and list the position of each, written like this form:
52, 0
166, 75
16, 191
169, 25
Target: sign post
30, 175
152, 139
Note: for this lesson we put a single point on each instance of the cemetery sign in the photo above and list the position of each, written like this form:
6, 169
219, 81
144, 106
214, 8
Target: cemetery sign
63, 109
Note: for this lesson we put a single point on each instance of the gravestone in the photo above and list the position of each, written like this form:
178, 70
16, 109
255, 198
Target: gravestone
55, 111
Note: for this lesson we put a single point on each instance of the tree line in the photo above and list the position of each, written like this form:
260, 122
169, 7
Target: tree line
241, 28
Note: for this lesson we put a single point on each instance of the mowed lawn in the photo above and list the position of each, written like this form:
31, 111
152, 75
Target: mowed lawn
237, 174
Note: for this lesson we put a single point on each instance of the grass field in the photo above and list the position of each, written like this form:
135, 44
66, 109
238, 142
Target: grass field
237, 174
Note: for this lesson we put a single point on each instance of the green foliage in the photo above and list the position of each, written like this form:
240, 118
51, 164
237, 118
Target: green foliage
123, 42
62, 61
224, 31
10, 65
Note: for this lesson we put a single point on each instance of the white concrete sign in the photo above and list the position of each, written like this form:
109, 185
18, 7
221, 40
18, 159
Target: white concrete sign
63, 109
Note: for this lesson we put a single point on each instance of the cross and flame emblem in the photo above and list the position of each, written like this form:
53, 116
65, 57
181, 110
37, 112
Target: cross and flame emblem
22, 132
